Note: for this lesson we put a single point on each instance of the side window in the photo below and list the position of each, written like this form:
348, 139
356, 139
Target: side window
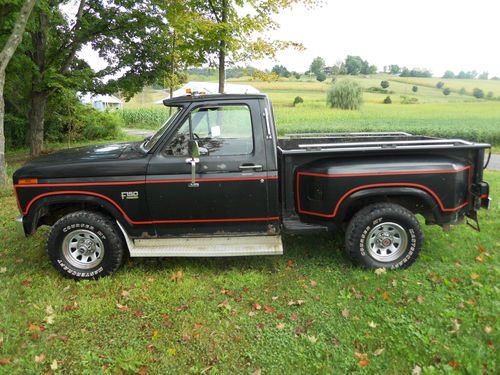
220, 131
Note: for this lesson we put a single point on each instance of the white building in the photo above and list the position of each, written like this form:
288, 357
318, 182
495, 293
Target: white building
102, 102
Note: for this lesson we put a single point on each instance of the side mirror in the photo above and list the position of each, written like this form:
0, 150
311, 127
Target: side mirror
193, 148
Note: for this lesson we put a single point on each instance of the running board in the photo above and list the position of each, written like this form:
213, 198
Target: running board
204, 246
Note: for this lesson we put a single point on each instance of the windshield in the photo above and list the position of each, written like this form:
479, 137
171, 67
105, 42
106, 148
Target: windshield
149, 143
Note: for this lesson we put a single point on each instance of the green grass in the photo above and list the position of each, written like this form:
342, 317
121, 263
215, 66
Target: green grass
439, 314
435, 114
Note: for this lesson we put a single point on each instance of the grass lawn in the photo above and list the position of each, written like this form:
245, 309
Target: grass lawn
308, 311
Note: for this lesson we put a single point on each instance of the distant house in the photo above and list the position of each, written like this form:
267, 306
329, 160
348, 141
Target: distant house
207, 88
102, 102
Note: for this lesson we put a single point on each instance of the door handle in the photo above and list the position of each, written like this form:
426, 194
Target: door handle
193, 162
246, 167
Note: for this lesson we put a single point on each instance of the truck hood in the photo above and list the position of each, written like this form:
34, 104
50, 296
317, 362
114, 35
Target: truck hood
95, 160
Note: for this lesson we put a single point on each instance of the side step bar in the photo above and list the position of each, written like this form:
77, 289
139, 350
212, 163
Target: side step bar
204, 246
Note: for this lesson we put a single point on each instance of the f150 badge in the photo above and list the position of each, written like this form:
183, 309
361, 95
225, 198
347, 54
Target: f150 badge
130, 195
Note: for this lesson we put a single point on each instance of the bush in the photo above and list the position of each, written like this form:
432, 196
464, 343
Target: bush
376, 90
297, 100
101, 125
462, 91
384, 84
478, 93
388, 100
489, 95
321, 76
446, 91
414, 88
345, 94
440, 84
408, 100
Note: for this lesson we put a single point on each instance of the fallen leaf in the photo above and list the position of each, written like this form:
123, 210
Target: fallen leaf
257, 372
420, 299
124, 293
138, 314
454, 364
417, 370
479, 258
300, 302
251, 313
155, 335
280, 316
280, 325
122, 307
40, 358
260, 326
488, 329
150, 279
455, 326
313, 283
35, 328
363, 362
3, 269
312, 339
256, 306
372, 324
177, 276
299, 331
274, 298
49, 319
4, 361
198, 325
269, 309
294, 317
290, 263
386, 296
379, 351
53, 365
380, 271
49, 310
143, 370
471, 301
27, 282
183, 307
474, 276
345, 313
64, 338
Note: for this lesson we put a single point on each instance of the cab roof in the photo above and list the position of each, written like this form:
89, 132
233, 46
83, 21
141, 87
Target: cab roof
183, 100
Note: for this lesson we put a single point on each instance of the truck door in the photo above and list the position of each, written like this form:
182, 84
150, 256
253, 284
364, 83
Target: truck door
230, 194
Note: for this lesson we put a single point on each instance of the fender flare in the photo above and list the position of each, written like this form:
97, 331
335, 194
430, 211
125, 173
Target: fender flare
35, 210
429, 201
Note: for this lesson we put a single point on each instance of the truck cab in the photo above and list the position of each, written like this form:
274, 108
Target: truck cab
215, 180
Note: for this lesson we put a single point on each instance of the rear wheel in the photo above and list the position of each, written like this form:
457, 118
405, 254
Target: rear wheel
85, 245
384, 235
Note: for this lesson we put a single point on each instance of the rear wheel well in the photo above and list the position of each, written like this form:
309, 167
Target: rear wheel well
413, 203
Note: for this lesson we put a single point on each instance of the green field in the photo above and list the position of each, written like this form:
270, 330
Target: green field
308, 311
435, 114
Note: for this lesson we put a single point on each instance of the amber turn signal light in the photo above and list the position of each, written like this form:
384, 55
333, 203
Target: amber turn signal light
26, 181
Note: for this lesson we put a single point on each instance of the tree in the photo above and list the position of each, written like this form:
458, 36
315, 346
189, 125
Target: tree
446, 91
394, 69
233, 30
126, 34
449, 74
321, 76
281, 71
478, 93
387, 100
483, 75
297, 100
440, 84
345, 94
384, 84
414, 88
6, 54
317, 66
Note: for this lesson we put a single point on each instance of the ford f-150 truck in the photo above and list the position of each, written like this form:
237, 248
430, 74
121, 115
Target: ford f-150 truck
215, 180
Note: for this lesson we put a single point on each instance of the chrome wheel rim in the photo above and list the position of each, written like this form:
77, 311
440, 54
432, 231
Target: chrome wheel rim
83, 249
386, 242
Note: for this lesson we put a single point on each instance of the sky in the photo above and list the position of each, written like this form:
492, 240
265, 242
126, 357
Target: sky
438, 35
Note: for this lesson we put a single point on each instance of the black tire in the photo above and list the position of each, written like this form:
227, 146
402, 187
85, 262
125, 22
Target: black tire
92, 233
383, 235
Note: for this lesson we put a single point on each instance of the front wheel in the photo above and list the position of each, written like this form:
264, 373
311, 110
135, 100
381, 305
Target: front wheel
384, 235
85, 245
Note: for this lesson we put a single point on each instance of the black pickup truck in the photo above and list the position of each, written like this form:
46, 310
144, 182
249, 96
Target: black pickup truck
216, 181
